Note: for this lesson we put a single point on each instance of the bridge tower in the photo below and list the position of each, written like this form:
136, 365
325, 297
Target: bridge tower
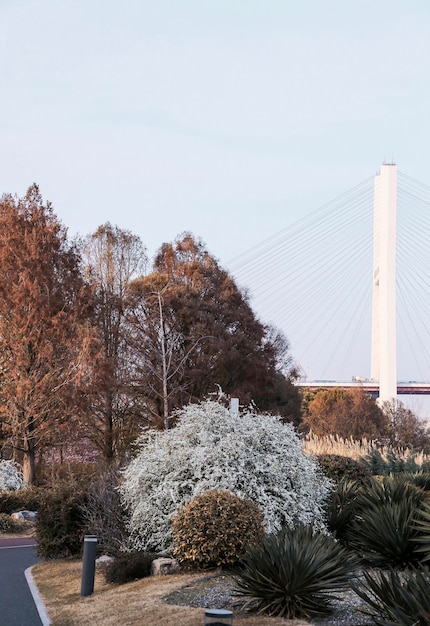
384, 343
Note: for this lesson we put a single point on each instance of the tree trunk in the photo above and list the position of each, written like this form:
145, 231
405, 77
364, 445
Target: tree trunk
109, 452
164, 365
29, 462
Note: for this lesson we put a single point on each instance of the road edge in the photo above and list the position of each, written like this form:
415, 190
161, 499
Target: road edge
44, 618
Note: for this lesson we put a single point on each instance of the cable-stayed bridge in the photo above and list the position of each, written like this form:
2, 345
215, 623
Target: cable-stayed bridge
315, 280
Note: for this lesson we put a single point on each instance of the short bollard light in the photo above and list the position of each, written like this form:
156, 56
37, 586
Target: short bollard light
218, 617
88, 565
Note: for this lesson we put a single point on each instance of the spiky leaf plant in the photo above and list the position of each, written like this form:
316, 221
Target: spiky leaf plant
383, 529
396, 598
420, 479
293, 574
422, 525
342, 507
392, 488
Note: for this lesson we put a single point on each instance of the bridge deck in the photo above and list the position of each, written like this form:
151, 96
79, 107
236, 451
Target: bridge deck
403, 388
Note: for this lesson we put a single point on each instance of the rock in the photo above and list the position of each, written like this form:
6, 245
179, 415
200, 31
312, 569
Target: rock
29, 516
164, 566
24, 516
104, 560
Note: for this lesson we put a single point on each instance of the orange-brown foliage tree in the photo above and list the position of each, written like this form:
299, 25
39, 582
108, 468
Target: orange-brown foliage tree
404, 428
44, 334
347, 413
112, 257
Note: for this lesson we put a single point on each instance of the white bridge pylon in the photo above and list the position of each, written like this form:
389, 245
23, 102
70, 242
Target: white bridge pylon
384, 338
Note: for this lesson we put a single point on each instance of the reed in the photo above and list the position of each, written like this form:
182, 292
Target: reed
333, 444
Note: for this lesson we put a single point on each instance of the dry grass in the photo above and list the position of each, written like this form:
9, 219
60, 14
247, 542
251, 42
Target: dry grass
333, 444
133, 604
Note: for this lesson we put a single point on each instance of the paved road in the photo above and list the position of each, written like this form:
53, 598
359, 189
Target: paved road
17, 606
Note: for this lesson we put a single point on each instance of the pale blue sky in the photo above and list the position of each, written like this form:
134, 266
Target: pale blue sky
229, 118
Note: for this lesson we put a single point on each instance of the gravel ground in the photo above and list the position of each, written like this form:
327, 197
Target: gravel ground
216, 591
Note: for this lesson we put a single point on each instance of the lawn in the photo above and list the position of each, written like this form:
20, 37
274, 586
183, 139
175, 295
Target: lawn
134, 604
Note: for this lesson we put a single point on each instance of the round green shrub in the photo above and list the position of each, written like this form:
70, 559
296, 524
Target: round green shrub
216, 528
339, 467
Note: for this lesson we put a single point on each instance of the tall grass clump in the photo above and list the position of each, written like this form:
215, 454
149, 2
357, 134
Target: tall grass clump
8, 524
380, 459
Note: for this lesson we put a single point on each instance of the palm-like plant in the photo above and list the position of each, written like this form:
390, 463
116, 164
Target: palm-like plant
383, 529
422, 525
419, 479
396, 598
392, 488
342, 507
294, 574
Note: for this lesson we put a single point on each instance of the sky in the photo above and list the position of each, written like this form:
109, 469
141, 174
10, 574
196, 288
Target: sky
231, 119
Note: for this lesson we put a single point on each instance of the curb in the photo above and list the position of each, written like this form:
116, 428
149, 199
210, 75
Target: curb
36, 597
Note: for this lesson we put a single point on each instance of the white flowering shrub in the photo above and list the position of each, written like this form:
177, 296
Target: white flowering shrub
254, 456
11, 477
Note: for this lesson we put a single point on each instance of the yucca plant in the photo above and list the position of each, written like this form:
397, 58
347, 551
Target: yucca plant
383, 530
396, 598
422, 525
393, 488
293, 574
420, 479
342, 507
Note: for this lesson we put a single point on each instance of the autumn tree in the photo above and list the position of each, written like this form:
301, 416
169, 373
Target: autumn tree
345, 412
404, 428
194, 331
112, 258
45, 338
